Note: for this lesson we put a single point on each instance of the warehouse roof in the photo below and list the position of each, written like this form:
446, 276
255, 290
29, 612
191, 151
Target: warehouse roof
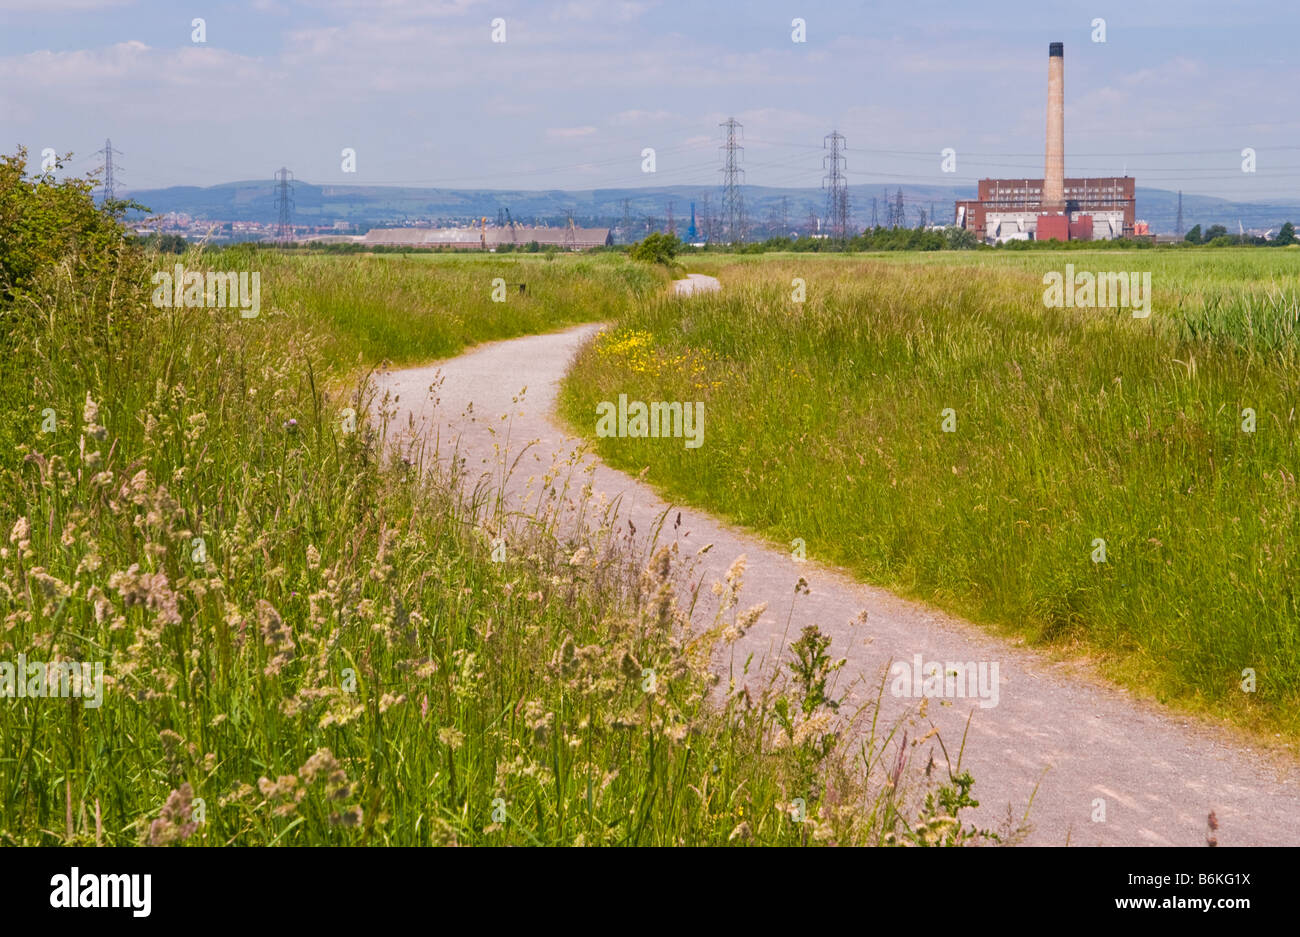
474, 237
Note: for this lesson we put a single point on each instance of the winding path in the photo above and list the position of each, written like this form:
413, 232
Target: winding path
1080, 742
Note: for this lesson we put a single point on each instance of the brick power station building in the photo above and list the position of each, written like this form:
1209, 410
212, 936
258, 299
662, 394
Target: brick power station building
1053, 207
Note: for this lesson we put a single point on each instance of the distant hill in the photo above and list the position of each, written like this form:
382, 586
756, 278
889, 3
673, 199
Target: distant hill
377, 206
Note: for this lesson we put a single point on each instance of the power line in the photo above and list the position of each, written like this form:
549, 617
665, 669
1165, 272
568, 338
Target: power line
733, 206
1126, 154
108, 152
284, 205
837, 190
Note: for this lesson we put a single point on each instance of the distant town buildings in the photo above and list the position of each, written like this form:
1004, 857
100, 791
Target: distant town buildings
483, 237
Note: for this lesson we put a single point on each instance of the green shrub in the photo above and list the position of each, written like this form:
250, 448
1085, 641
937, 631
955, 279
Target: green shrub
657, 248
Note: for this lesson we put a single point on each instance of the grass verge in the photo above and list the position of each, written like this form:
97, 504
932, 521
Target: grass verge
825, 421
303, 641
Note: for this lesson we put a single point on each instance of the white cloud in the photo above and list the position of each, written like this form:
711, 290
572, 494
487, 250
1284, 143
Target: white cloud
127, 67
44, 7
396, 9
639, 118
569, 133
588, 10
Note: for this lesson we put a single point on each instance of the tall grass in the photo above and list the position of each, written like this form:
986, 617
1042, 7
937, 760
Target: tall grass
824, 422
1242, 296
414, 308
307, 642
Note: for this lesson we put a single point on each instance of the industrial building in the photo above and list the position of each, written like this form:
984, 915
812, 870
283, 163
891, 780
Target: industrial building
1053, 207
485, 238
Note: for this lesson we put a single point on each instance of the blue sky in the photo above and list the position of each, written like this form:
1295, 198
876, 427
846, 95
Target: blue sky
579, 88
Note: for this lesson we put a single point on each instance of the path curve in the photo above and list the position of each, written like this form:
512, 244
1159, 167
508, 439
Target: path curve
696, 283
1158, 773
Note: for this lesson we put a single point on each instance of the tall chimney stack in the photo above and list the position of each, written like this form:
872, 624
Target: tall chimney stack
1054, 173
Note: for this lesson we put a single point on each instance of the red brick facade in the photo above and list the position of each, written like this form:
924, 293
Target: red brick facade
1112, 193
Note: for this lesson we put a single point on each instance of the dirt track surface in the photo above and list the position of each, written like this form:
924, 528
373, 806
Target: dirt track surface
1079, 741
695, 283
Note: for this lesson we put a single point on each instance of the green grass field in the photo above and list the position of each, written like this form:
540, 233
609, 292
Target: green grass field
303, 642
416, 308
824, 421
1236, 295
